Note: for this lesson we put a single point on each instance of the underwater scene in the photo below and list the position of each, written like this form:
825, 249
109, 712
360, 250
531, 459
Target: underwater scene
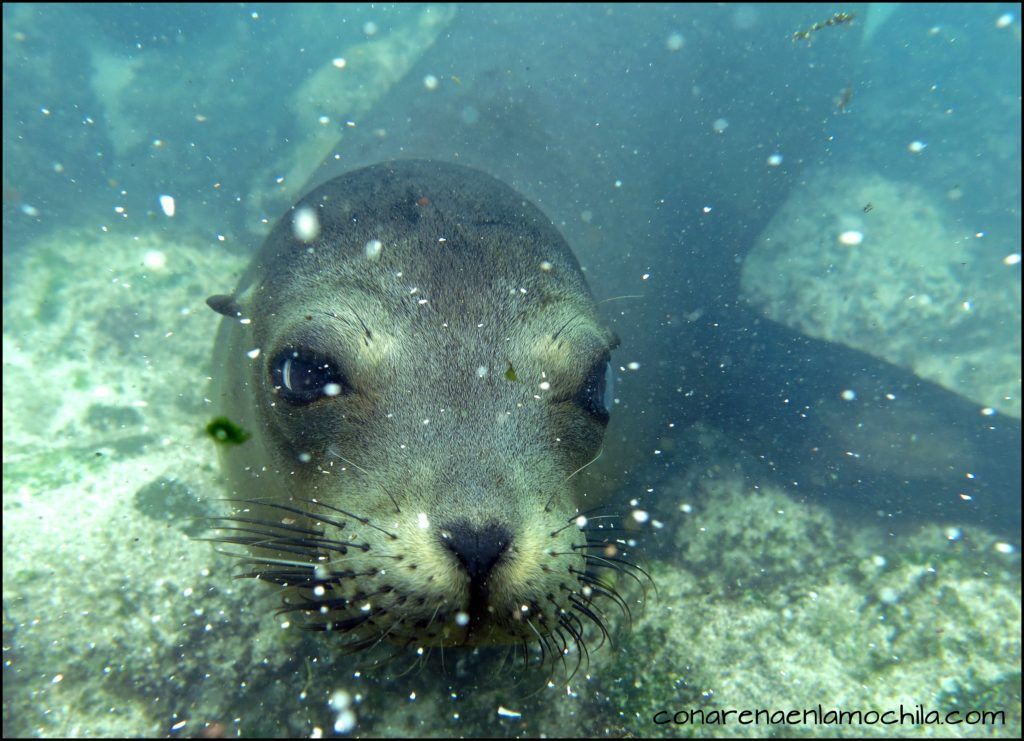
508, 370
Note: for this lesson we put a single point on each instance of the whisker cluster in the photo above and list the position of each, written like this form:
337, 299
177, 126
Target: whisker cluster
327, 574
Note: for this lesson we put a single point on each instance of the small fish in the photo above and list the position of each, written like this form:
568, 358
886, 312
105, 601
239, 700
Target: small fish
844, 99
868, 208
837, 19
510, 374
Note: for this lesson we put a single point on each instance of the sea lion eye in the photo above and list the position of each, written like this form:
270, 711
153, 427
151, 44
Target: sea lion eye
597, 392
302, 376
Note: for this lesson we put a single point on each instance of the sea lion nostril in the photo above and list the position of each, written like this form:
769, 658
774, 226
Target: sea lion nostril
478, 549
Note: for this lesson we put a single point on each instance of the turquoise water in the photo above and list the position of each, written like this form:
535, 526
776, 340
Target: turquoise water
809, 248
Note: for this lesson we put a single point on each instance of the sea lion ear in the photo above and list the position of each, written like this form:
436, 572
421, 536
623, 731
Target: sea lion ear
225, 305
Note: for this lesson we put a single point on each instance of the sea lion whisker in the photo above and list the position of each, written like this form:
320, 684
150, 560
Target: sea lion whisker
433, 617
589, 511
525, 647
562, 650
263, 536
335, 453
297, 511
603, 544
603, 590
603, 563
574, 521
566, 650
357, 518
247, 558
555, 493
268, 543
536, 632
548, 655
568, 321
594, 618
619, 298
264, 523
592, 460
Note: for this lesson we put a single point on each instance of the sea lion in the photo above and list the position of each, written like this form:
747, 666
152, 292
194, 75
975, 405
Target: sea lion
422, 369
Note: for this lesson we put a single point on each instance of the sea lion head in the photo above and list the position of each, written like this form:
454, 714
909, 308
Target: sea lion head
423, 370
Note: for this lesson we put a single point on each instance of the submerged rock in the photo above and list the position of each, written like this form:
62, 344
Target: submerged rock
875, 264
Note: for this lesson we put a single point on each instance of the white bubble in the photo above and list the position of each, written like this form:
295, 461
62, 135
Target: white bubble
345, 721
640, 516
373, 249
339, 700
305, 224
331, 389
254, 353
774, 160
461, 619
430, 82
155, 259
851, 238
1005, 548
370, 28
720, 125
339, 62
675, 41
848, 395
916, 147
167, 204
1012, 259
1004, 20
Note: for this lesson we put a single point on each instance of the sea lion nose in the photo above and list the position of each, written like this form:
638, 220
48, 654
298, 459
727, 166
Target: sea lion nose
477, 548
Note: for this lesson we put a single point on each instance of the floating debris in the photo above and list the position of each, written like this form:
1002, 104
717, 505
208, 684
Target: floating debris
226, 432
837, 19
868, 207
510, 374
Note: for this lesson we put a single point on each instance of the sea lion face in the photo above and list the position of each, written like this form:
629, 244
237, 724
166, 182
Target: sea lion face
431, 373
